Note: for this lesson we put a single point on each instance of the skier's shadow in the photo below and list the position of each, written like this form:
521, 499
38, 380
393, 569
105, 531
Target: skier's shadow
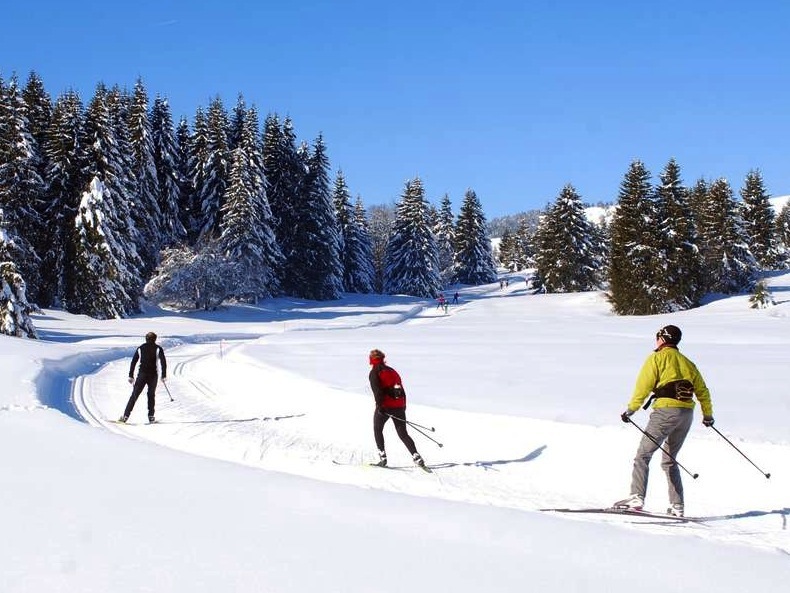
489, 465
232, 420
746, 514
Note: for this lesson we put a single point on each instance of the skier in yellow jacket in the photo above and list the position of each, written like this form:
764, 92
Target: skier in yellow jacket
671, 381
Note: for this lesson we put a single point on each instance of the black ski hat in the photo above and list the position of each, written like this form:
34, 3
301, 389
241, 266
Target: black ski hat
670, 333
150, 337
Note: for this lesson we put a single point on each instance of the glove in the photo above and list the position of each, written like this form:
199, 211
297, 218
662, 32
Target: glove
707, 421
131, 380
626, 416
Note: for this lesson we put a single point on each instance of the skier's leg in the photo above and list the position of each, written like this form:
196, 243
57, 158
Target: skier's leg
683, 419
152, 381
379, 419
137, 389
399, 418
657, 427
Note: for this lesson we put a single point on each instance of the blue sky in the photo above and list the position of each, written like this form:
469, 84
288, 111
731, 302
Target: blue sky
512, 98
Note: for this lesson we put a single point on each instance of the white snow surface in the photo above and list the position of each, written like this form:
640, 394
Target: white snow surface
253, 478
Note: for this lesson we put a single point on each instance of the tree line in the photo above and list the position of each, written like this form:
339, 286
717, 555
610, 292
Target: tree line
665, 247
105, 204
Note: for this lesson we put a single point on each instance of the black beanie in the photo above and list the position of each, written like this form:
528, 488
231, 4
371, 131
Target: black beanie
670, 333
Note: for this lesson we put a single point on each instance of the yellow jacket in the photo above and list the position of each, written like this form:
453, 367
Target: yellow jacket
663, 366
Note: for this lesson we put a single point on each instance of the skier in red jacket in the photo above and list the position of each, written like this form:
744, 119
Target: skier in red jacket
390, 403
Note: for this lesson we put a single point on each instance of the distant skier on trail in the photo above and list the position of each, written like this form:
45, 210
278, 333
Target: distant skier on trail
390, 399
674, 381
147, 354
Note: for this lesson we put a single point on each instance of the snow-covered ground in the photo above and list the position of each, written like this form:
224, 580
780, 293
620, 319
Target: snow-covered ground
253, 478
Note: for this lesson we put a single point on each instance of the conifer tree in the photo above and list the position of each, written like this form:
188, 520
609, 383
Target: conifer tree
39, 115
315, 260
247, 237
412, 257
21, 186
635, 261
728, 261
509, 250
167, 163
759, 221
444, 231
474, 258
14, 308
566, 257
117, 282
285, 173
145, 211
381, 220
683, 282
63, 188
783, 231
362, 272
214, 169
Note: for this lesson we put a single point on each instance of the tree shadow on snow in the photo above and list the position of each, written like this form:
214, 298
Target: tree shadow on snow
261, 418
489, 465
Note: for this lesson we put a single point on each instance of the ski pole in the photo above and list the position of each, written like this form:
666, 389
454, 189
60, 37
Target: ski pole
767, 475
657, 444
167, 389
415, 427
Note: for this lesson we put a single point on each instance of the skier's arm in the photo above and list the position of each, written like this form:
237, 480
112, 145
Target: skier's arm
163, 362
375, 386
135, 358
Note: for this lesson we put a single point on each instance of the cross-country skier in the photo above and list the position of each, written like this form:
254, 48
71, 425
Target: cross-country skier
390, 403
147, 355
674, 381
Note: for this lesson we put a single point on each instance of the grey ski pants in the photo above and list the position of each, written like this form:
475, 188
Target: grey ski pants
665, 424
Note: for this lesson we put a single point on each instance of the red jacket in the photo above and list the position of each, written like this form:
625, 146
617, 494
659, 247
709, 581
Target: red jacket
387, 387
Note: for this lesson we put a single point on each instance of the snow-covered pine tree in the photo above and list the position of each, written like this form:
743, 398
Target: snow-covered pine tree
474, 259
63, 183
359, 245
167, 162
684, 281
97, 291
381, 220
444, 231
39, 114
285, 174
14, 307
728, 261
109, 190
315, 260
215, 170
341, 199
145, 211
247, 237
636, 262
783, 232
412, 257
509, 250
21, 186
196, 149
759, 221
566, 256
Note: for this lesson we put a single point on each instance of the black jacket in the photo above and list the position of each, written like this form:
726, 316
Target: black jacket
147, 354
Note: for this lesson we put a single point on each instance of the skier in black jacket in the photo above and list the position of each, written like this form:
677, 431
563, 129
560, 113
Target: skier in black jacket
146, 354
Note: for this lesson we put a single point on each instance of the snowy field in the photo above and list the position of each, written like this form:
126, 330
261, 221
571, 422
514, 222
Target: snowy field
254, 479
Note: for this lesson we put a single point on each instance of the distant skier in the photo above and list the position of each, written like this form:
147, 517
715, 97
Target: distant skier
441, 301
455, 299
673, 380
147, 355
390, 399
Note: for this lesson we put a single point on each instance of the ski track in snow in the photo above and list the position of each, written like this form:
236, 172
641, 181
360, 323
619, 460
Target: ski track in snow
239, 409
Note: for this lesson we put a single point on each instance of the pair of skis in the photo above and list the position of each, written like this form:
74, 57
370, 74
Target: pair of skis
424, 468
629, 513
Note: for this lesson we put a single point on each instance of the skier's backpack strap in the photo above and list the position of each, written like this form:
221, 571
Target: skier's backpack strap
681, 390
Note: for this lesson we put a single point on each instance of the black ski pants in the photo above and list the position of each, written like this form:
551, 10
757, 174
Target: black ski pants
141, 382
398, 415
